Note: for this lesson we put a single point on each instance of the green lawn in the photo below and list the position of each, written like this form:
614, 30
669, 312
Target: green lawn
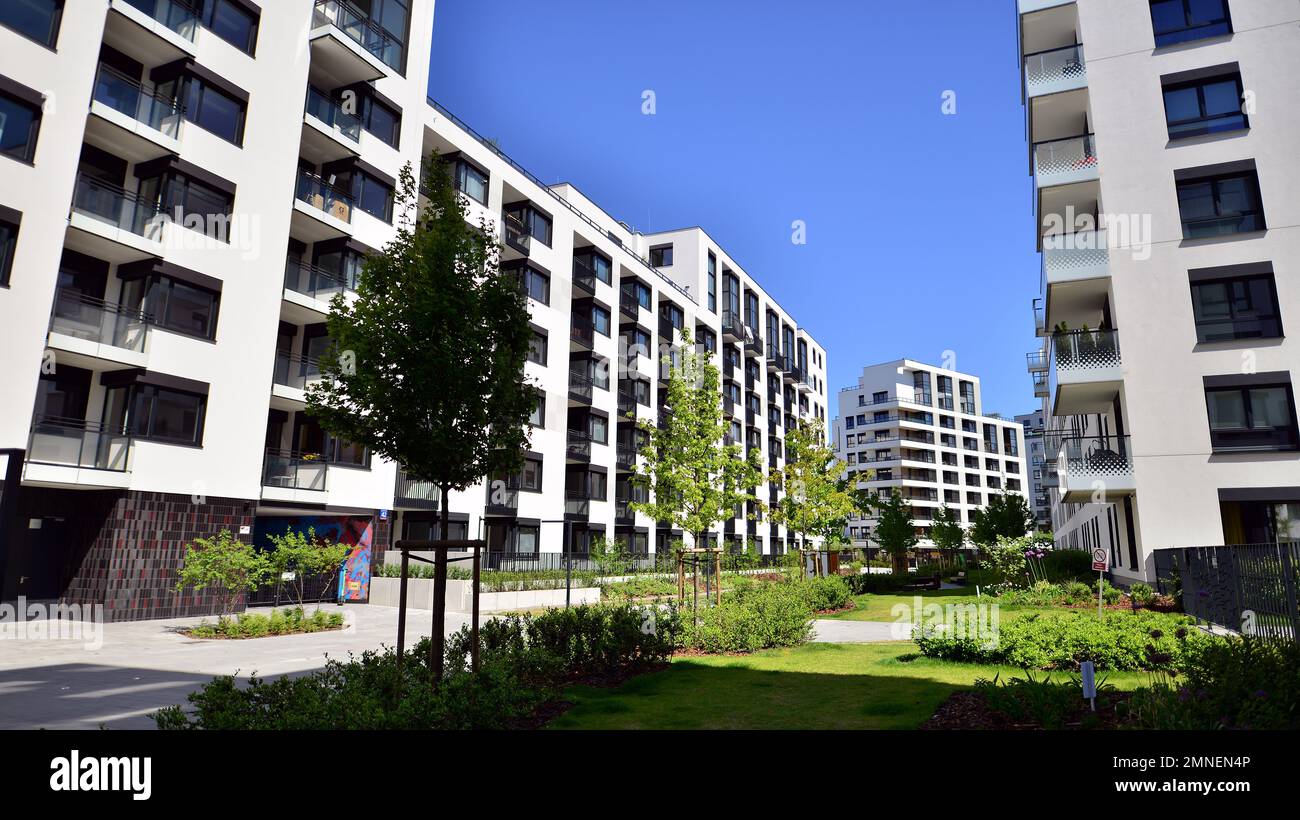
873, 607
815, 686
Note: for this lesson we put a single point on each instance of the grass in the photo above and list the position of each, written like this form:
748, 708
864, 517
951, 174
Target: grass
873, 607
815, 686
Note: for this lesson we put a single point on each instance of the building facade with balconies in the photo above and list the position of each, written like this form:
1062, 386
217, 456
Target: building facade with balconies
1167, 223
920, 430
184, 187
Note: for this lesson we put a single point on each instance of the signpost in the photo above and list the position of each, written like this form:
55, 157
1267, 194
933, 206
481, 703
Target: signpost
1089, 674
1100, 561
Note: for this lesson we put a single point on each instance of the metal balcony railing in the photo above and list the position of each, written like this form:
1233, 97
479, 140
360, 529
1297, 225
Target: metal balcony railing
295, 371
584, 277
1052, 69
1091, 457
86, 317
515, 233
332, 114
315, 282
581, 386
324, 197
288, 469
1085, 349
732, 325
68, 442
178, 17
578, 443
583, 331
358, 26
1037, 361
126, 96
117, 206
411, 492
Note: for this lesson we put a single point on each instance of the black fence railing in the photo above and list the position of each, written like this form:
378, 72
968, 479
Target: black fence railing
1249, 588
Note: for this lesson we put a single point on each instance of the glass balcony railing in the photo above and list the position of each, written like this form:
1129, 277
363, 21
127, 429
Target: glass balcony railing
324, 197
332, 114
1063, 161
126, 96
1090, 456
358, 26
515, 233
1059, 69
291, 470
1086, 349
178, 17
86, 317
315, 282
69, 442
295, 371
117, 207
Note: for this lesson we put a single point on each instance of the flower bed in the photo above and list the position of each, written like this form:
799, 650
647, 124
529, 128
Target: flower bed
256, 625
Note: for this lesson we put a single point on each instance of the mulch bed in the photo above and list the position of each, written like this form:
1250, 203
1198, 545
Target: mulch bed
970, 710
849, 607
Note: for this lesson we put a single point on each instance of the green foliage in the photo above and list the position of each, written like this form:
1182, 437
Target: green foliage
695, 480
1043, 702
223, 563
946, 530
1067, 565
1006, 559
1235, 683
1061, 640
894, 529
1142, 594
826, 593
280, 622
496, 580
1109, 594
1007, 515
305, 556
637, 588
757, 617
524, 662
425, 365
816, 502
610, 557
878, 582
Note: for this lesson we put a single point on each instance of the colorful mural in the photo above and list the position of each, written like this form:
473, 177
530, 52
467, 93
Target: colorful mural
356, 532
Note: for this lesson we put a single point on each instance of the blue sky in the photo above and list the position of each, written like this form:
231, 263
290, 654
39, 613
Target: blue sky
919, 224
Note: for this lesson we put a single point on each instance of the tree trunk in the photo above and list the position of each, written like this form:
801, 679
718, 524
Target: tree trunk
900, 562
436, 640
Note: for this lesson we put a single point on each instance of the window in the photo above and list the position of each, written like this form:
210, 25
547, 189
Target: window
179, 306
602, 267
385, 123
157, 413
1204, 107
536, 223
214, 111
372, 196
1252, 417
471, 182
661, 256
530, 478
1178, 21
600, 320
537, 285
20, 123
200, 206
1218, 205
8, 246
37, 19
537, 348
598, 427
637, 292
526, 539
232, 23
713, 282
1242, 307
538, 417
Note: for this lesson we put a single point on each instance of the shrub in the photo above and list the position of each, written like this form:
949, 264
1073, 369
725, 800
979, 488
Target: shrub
279, 622
1063, 566
1238, 683
758, 617
877, 583
825, 594
1109, 594
1061, 640
1044, 702
1142, 594
1077, 592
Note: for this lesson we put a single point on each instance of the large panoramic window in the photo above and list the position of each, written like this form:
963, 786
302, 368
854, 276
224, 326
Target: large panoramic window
383, 121
232, 22
20, 122
182, 307
156, 413
1242, 307
1204, 107
537, 285
1178, 21
37, 19
471, 182
372, 196
1218, 205
214, 111
1251, 417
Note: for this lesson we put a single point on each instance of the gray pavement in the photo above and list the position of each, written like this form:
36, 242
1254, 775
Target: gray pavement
144, 665
830, 631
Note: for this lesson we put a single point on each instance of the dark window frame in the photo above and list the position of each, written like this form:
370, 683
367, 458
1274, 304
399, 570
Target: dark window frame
1285, 439
208, 19
1215, 181
1199, 85
9, 230
662, 252
1275, 317
56, 24
191, 109
1188, 33
28, 155
144, 429
463, 168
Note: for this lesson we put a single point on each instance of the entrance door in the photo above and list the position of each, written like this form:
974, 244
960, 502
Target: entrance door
39, 564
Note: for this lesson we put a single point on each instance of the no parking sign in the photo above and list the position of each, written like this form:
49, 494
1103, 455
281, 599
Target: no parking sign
1100, 559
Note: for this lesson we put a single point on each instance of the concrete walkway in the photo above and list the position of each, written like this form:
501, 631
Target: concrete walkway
832, 631
144, 665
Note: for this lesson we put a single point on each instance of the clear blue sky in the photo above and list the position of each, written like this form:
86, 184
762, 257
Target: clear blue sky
920, 226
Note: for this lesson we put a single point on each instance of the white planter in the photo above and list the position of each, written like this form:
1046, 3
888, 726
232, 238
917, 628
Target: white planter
419, 595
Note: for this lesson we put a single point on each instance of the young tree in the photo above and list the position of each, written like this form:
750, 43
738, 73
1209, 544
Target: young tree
223, 562
817, 500
946, 532
426, 365
695, 479
1006, 515
894, 529
303, 556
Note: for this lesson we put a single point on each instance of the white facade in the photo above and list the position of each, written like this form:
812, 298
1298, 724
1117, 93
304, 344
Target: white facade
143, 357
1036, 453
1165, 370
921, 430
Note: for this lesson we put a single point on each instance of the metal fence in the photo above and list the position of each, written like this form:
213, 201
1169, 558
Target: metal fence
315, 589
1250, 588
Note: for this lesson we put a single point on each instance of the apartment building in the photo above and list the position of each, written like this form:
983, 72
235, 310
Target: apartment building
185, 186
1035, 450
1162, 147
921, 430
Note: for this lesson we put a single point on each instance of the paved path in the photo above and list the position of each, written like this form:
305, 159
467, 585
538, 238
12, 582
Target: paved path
144, 665
831, 631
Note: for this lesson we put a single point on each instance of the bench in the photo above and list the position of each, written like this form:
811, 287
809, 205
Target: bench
926, 583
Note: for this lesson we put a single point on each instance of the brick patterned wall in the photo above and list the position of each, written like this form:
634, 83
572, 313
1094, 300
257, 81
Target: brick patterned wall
130, 565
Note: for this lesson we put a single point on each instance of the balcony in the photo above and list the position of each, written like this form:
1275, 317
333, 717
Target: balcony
413, 494
578, 445
515, 233
291, 476
577, 505
1054, 71
802, 379
584, 277
312, 288
1066, 161
775, 362
75, 451
1038, 361
291, 376
581, 387
1031, 6
131, 122
1096, 468
1040, 322
347, 47
625, 458
1075, 257
732, 328
329, 133
1088, 370
501, 498
98, 335
623, 514
582, 332
753, 344
327, 210
155, 30
120, 226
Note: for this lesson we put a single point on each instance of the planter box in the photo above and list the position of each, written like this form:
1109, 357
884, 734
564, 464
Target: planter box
460, 597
